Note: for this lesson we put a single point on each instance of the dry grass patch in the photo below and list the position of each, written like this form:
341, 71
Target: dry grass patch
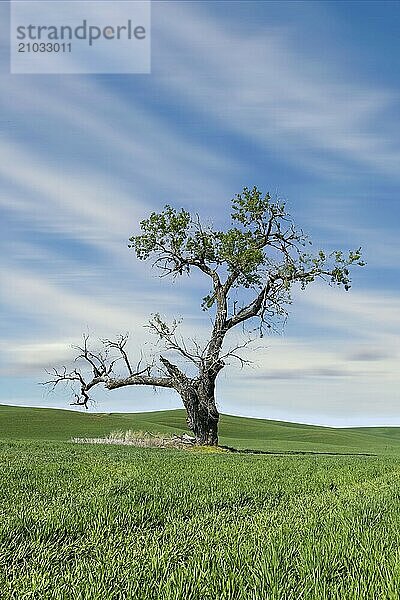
141, 439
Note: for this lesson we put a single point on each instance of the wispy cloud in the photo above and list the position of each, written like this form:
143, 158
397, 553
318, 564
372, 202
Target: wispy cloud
262, 86
62, 315
374, 314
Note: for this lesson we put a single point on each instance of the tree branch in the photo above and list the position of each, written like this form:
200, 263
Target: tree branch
167, 334
101, 365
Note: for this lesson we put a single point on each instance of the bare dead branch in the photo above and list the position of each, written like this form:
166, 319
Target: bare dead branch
167, 334
101, 364
119, 344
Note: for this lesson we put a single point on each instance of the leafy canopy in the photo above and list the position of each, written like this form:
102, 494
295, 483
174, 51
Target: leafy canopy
261, 247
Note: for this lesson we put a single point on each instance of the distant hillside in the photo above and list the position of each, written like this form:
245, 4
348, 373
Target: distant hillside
240, 432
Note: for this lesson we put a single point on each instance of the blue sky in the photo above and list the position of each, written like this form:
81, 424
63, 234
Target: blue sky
298, 98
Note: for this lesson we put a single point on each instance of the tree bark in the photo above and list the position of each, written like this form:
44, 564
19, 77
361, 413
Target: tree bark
202, 412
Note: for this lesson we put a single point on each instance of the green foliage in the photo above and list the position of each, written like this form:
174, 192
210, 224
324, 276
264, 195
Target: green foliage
241, 251
118, 523
262, 246
168, 229
253, 210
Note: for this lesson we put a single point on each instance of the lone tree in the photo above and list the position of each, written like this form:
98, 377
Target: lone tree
251, 267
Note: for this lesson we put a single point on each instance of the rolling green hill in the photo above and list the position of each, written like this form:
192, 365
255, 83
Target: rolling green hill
240, 432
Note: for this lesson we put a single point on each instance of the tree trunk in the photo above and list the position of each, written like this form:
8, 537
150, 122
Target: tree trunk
202, 413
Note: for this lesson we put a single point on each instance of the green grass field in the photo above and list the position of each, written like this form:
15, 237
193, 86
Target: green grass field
50, 424
112, 522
